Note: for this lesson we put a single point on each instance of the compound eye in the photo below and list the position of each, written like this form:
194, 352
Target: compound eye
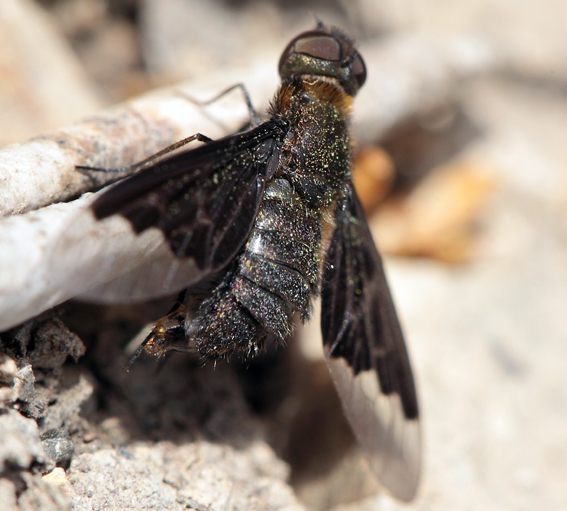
359, 70
321, 47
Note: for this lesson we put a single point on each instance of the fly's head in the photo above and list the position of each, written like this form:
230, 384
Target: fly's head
324, 52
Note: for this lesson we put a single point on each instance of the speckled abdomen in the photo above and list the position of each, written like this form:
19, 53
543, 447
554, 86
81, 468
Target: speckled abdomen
274, 277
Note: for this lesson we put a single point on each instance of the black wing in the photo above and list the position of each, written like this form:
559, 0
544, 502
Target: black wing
202, 202
366, 353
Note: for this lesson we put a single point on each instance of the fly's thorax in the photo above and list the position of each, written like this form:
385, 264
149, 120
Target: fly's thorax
316, 153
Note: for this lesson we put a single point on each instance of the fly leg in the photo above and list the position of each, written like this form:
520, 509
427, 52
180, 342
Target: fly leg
168, 334
253, 120
153, 158
253, 117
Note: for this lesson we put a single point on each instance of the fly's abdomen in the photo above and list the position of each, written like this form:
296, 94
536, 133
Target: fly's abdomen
274, 277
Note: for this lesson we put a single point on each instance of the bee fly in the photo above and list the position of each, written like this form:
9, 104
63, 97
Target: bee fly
269, 219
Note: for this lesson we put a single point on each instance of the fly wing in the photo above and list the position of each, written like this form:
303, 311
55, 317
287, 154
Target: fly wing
191, 213
366, 352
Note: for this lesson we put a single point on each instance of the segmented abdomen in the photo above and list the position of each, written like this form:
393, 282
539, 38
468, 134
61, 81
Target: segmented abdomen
275, 276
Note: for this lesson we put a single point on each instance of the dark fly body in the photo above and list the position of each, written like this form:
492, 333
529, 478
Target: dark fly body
269, 219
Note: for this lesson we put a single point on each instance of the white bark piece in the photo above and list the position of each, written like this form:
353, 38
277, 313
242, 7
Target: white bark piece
406, 75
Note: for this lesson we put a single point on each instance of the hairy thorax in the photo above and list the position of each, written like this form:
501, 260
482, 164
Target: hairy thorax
316, 153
